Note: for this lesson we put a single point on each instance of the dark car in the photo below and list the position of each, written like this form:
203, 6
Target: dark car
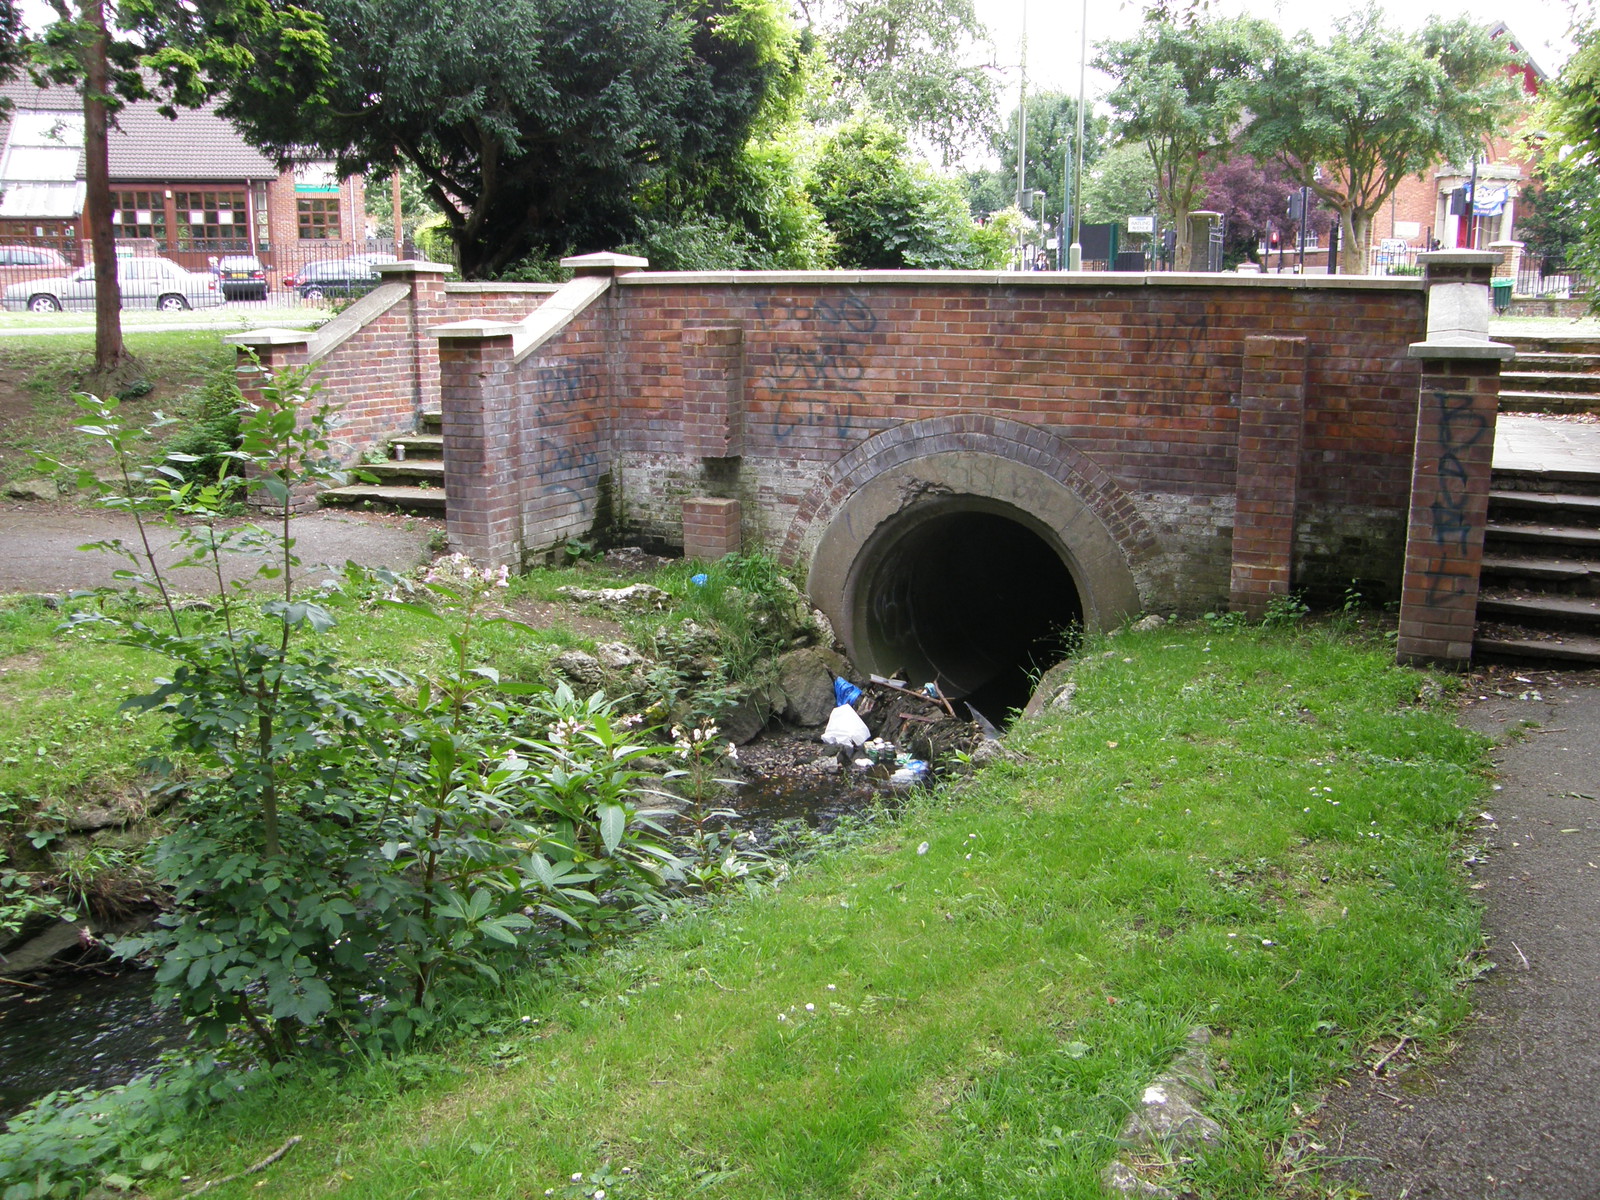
242, 277
334, 277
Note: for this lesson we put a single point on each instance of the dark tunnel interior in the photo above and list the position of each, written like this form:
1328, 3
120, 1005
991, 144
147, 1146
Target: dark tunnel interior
975, 600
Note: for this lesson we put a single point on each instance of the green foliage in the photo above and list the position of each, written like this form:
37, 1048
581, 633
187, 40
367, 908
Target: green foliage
1564, 221
884, 209
533, 124
1181, 91
1119, 184
916, 64
201, 449
1353, 118
1052, 135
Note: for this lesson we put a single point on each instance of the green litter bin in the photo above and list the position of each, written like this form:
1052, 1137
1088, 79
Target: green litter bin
1501, 288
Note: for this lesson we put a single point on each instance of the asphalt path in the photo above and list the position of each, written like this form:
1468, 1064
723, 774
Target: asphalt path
39, 546
1513, 1113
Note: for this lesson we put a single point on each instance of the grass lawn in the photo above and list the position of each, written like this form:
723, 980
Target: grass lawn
1258, 832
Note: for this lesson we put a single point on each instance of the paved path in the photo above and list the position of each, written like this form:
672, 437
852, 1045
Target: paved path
39, 545
1514, 1113
1544, 444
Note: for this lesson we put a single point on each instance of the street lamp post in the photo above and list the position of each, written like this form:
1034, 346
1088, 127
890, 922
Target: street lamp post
1075, 255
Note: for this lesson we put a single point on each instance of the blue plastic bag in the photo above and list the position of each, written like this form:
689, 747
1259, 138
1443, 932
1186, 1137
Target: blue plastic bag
845, 692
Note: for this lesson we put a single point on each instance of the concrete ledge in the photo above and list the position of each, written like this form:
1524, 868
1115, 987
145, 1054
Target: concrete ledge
477, 328
270, 337
1468, 348
413, 266
1056, 279
463, 288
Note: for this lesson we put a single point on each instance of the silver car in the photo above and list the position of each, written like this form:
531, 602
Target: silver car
145, 283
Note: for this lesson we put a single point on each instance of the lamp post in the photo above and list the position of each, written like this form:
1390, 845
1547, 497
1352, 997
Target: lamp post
1075, 255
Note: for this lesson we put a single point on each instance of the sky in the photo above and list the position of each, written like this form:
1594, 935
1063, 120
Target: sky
1055, 28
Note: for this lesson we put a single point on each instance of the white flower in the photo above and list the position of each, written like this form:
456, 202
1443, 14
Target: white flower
811, 1008
922, 849
577, 1177
733, 752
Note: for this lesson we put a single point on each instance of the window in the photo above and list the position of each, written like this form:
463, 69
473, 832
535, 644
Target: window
212, 222
319, 218
139, 215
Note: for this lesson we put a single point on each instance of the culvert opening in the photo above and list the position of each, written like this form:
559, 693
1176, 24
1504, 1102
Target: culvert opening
975, 600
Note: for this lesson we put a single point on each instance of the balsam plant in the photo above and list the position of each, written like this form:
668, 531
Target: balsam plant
353, 844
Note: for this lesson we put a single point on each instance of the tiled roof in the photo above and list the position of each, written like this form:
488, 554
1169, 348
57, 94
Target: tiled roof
145, 147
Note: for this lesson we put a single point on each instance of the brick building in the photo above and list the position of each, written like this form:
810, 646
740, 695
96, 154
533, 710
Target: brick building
1431, 208
188, 188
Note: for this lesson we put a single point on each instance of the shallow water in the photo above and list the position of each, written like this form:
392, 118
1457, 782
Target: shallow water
83, 1031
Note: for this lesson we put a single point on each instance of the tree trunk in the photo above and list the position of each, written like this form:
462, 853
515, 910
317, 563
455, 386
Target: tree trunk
109, 352
1356, 227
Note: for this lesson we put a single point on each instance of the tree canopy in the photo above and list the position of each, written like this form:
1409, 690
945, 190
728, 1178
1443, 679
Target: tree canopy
534, 124
1565, 221
1180, 90
1353, 118
922, 66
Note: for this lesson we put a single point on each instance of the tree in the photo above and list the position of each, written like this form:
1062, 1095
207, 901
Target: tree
1181, 91
917, 64
1119, 184
1052, 133
533, 123
1352, 119
1566, 210
887, 211
1252, 196
78, 49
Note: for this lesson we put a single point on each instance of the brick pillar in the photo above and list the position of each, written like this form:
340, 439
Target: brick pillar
1272, 397
1457, 401
426, 309
263, 354
711, 528
482, 493
713, 392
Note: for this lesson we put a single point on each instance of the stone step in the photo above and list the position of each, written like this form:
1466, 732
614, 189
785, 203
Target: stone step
1569, 651
1567, 504
432, 422
1555, 344
1542, 535
1507, 567
419, 471
1519, 479
417, 445
1561, 611
408, 499
1553, 360
1548, 383
1548, 402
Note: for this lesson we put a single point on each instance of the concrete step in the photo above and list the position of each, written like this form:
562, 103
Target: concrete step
1520, 479
1569, 612
1548, 402
417, 445
407, 499
1549, 382
1521, 534
422, 472
1550, 343
1503, 503
1569, 651
1554, 360
1537, 574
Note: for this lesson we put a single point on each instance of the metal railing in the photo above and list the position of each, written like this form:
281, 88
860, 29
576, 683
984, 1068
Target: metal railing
1547, 279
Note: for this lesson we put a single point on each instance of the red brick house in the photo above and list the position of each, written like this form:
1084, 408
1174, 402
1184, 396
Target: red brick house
1431, 207
189, 188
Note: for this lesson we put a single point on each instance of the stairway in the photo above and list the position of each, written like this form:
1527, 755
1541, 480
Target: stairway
1551, 375
411, 481
1540, 589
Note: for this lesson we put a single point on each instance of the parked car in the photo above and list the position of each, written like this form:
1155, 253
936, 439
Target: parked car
144, 282
334, 277
32, 256
242, 277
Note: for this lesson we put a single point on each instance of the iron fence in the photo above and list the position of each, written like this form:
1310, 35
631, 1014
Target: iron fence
1549, 279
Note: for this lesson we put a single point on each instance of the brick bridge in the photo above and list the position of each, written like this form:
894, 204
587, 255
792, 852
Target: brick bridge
958, 461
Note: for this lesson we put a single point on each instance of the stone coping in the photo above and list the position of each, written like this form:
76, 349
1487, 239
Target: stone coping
465, 288
1461, 348
1031, 279
539, 326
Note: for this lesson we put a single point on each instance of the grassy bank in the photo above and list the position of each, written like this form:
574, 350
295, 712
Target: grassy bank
1257, 832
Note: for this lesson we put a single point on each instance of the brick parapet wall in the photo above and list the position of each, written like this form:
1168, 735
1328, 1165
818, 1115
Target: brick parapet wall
1143, 384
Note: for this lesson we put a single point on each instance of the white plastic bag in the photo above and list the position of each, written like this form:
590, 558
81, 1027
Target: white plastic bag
845, 728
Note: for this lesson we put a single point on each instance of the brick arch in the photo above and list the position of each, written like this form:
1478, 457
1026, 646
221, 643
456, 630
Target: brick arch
970, 460
979, 433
